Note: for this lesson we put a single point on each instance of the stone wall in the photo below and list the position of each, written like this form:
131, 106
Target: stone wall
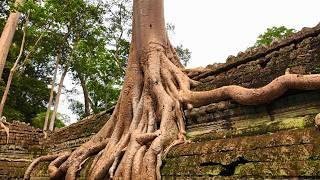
23, 146
27, 143
72, 136
275, 140
257, 67
283, 154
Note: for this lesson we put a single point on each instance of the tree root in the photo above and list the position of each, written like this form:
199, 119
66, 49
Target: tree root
6, 129
246, 96
195, 71
317, 121
45, 134
78, 158
53, 166
42, 159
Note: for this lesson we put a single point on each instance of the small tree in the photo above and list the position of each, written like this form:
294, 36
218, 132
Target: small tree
273, 33
184, 54
46, 119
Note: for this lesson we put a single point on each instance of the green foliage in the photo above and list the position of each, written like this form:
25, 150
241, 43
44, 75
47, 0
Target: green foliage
101, 56
316, 70
28, 93
76, 107
78, 29
27, 96
184, 54
38, 120
273, 33
94, 39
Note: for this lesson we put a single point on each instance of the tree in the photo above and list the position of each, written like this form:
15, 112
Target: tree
38, 120
7, 35
27, 95
57, 100
86, 45
148, 118
184, 54
100, 65
17, 66
80, 43
273, 33
46, 119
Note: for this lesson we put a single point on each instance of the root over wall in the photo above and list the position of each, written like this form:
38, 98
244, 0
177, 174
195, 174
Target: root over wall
276, 140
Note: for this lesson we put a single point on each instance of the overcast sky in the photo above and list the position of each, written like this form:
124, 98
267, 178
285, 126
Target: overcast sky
215, 29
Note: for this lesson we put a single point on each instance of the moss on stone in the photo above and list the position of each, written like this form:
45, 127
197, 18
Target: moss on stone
309, 168
281, 138
303, 152
257, 129
178, 170
41, 170
216, 170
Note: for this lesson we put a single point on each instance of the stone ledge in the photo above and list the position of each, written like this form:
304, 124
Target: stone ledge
261, 51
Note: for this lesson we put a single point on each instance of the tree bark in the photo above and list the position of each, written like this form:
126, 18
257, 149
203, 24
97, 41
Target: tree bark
7, 36
12, 71
6, 91
56, 105
45, 126
85, 95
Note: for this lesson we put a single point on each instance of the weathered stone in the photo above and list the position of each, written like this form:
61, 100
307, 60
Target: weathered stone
308, 168
281, 138
229, 141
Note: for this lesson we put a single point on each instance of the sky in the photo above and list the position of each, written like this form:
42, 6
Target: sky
214, 29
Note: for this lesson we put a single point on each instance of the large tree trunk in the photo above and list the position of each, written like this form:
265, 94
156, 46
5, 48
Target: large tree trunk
56, 104
148, 118
85, 95
45, 126
7, 36
12, 71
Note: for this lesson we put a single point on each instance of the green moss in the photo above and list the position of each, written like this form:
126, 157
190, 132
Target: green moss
242, 167
41, 170
290, 123
280, 169
36, 151
316, 70
216, 170
197, 170
283, 172
256, 128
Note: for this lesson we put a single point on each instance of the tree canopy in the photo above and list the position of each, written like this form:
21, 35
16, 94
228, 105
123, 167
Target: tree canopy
93, 38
